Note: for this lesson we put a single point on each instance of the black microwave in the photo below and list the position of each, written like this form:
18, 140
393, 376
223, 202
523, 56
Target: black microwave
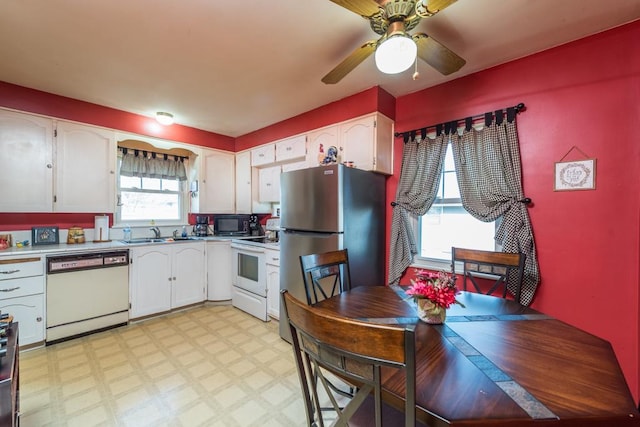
231, 225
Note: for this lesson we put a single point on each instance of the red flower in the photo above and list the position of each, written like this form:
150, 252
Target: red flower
440, 288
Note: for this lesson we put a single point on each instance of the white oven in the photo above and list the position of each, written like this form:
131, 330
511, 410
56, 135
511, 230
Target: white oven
249, 291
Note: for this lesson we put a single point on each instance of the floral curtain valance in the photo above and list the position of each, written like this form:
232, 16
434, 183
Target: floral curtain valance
148, 164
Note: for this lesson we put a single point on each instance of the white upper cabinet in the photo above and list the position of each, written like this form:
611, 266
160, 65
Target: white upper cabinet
217, 192
368, 143
263, 155
26, 175
270, 184
247, 186
321, 139
291, 149
243, 182
84, 169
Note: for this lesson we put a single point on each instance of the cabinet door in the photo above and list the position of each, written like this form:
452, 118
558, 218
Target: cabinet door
291, 148
318, 140
26, 177
219, 270
188, 277
270, 184
384, 145
85, 165
243, 182
357, 143
263, 155
273, 283
218, 185
149, 285
29, 312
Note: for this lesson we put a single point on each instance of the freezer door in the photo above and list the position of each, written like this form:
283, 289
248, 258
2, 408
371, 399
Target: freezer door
292, 245
311, 199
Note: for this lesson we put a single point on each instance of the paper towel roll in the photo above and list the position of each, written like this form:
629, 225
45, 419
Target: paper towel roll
101, 229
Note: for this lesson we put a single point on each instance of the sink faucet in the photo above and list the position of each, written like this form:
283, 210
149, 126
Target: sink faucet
156, 231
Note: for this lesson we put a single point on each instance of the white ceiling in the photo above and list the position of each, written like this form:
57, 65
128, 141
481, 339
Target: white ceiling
233, 67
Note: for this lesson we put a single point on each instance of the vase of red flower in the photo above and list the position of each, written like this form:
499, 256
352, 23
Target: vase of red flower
433, 294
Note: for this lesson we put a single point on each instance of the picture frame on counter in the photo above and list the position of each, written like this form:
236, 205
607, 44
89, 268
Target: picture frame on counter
45, 235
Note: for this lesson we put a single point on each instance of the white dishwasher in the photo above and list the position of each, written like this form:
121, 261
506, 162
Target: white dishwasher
86, 292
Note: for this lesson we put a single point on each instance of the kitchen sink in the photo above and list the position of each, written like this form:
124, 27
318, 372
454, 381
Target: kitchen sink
142, 240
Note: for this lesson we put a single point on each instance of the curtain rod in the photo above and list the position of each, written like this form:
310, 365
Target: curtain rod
452, 126
154, 154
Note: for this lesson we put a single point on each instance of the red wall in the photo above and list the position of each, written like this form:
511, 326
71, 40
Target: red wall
369, 101
34, 101
584, 94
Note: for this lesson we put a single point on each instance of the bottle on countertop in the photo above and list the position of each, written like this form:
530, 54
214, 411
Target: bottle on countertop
184, 231
127, 233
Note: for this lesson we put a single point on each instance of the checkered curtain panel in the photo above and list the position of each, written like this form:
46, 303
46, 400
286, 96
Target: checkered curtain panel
422, 162
490, 179
152, 165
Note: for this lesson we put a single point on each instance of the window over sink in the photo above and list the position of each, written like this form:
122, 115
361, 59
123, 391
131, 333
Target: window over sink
144, 199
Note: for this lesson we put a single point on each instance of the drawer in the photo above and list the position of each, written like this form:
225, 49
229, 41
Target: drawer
273, 257
13, 268
20, 287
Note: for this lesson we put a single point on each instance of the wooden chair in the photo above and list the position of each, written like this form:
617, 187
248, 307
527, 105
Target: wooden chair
325, 275
351, 349
504, 268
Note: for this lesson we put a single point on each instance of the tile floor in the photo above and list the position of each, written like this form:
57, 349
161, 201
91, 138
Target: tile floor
206, 366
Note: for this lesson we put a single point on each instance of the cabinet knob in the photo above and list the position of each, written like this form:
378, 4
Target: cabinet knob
38, 319
49, 165
174, 278
169, 278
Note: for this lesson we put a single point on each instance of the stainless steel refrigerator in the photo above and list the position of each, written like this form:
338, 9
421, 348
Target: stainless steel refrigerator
329, 208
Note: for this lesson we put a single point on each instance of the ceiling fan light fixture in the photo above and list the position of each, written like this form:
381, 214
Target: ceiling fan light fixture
164, 118
396, 54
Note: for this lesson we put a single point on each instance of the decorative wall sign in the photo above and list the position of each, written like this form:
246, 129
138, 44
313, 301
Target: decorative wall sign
575, 175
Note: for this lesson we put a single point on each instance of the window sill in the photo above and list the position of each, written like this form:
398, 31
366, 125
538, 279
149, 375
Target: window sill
432, 264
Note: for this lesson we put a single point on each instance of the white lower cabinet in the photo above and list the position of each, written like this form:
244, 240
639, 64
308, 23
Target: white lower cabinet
188, 280
219, 270
273, 283
22, 283
166, 276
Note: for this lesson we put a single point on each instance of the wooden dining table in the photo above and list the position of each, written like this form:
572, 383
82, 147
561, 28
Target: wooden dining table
497, 363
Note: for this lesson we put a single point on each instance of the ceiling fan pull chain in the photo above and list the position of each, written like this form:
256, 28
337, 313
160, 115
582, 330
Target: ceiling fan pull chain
416, 74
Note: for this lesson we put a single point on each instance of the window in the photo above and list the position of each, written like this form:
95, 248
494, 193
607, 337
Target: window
448, 224
142, 200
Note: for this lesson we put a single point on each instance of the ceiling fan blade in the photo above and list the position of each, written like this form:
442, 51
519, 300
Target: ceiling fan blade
365, 8
351, 62
437, 55
439, 5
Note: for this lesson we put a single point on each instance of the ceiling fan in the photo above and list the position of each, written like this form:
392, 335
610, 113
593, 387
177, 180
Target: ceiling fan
392, 19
